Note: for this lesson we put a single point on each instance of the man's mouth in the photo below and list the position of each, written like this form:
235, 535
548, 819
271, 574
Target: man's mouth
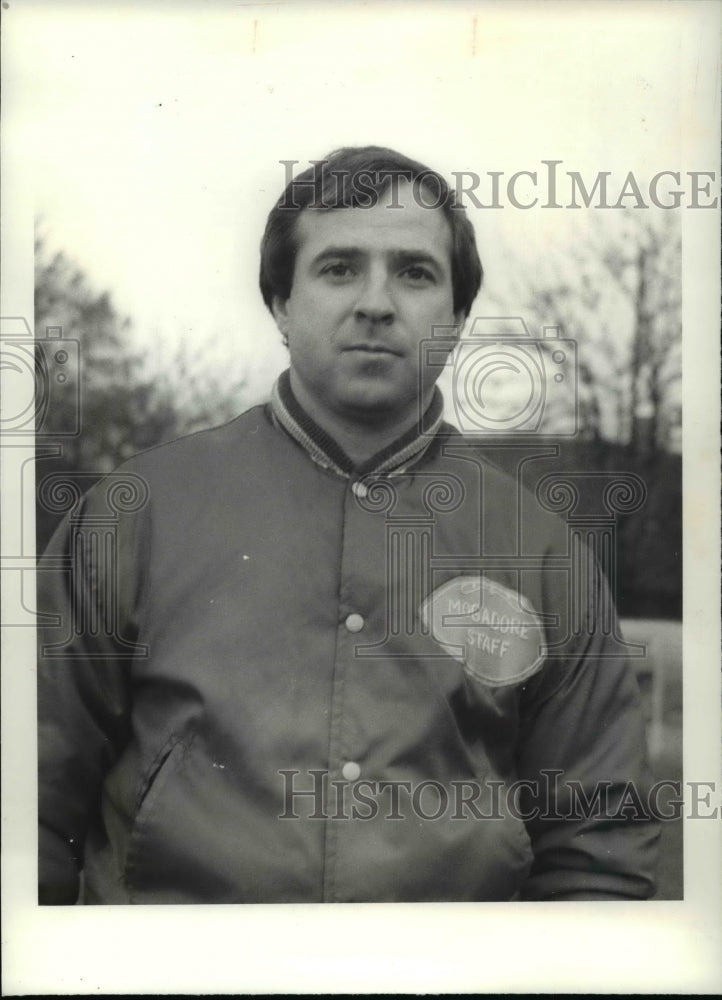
373, 349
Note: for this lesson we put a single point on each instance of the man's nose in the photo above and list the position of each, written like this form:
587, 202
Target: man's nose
374, 302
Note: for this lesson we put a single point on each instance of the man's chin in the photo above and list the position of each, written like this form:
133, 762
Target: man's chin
378, 405
371, 404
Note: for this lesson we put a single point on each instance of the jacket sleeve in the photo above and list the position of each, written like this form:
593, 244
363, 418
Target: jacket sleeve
582, 754
87, 586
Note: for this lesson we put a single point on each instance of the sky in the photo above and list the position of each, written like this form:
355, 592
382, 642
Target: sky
153, 134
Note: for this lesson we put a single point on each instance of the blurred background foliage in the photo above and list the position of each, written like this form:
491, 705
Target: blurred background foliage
125, 404
617, 290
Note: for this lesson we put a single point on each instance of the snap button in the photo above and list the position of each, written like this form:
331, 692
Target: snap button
359, 490
354, 623
350, 770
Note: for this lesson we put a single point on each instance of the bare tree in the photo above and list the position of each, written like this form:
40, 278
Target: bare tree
617, 292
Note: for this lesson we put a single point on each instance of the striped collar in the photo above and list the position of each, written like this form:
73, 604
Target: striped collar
322, 448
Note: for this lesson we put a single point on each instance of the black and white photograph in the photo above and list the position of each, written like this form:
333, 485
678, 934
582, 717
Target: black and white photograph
360, 448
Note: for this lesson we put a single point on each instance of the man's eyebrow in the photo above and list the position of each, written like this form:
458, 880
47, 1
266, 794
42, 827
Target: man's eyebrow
403, 257
346, 253
399, 257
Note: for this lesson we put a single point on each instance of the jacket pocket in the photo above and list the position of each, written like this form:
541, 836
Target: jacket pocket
155, 793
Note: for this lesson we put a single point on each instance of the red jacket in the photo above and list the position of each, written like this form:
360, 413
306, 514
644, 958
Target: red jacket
400, 642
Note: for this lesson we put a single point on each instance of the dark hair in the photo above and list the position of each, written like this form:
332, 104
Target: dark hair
356, 177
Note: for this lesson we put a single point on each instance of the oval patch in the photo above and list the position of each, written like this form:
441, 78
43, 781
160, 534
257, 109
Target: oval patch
483, 625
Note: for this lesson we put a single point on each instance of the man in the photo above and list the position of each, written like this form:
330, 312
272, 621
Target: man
289, 675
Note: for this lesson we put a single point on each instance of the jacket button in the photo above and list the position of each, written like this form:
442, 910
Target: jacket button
359, 490
354, 623
351, 771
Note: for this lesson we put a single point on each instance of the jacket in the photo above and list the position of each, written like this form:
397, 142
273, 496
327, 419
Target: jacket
274, 677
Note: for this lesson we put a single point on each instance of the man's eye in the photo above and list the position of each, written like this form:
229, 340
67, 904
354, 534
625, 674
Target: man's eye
338, 270
418, 275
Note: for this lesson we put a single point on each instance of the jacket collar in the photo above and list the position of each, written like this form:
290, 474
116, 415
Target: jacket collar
322, 448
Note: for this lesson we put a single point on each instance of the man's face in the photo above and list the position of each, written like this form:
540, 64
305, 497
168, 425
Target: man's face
369, 285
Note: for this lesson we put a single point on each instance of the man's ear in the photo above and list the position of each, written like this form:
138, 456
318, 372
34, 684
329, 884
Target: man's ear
279, 308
